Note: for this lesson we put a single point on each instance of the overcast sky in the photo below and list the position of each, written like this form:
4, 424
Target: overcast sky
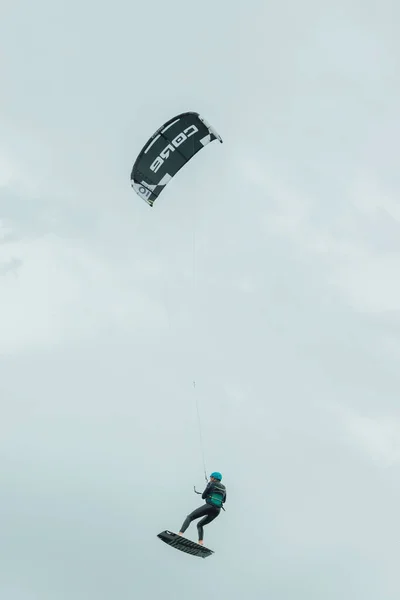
289, 322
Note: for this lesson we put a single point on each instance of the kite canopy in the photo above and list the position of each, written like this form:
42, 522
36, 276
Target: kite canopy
167, 151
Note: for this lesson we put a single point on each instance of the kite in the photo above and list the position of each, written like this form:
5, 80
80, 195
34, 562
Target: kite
167, 151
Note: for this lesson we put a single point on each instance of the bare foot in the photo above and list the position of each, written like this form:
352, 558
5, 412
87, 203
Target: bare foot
180, 533
201, 542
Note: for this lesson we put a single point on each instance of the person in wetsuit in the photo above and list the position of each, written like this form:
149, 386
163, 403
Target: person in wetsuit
215, 497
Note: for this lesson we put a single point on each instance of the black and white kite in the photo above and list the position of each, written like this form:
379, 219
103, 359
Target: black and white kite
167, 151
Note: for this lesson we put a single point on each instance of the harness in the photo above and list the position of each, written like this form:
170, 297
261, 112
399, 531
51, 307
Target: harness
216, 497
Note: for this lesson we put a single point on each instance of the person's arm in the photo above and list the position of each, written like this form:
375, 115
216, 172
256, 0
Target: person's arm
207, 490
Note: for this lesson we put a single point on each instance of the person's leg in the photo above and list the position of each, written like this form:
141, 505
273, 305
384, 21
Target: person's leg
211, 515
196, 514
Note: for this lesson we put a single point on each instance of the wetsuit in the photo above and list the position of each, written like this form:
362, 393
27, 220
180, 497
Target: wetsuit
215, 497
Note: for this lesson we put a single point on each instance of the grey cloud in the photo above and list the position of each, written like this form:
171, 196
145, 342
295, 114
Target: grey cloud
99, 439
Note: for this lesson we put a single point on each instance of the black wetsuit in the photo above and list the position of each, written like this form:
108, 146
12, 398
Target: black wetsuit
209, 511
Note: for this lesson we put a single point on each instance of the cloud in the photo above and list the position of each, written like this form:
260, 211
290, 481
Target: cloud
65, 292
10, 266
378, 437
97, 354
357, 245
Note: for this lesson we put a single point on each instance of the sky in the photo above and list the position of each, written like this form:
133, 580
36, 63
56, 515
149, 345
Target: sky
267, 272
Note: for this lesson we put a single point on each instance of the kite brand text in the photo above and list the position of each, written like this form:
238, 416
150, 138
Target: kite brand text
175, 143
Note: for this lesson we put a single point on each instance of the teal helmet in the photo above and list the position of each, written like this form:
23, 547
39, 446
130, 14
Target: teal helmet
216, 475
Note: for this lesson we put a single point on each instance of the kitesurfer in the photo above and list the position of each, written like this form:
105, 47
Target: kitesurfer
215, 496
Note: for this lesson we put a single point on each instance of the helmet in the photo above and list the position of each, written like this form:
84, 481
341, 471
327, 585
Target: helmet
216, 475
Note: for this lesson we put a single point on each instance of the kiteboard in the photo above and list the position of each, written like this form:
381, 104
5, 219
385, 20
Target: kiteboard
181, 543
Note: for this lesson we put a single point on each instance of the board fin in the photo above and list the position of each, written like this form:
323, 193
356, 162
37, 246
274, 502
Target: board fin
181, 543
